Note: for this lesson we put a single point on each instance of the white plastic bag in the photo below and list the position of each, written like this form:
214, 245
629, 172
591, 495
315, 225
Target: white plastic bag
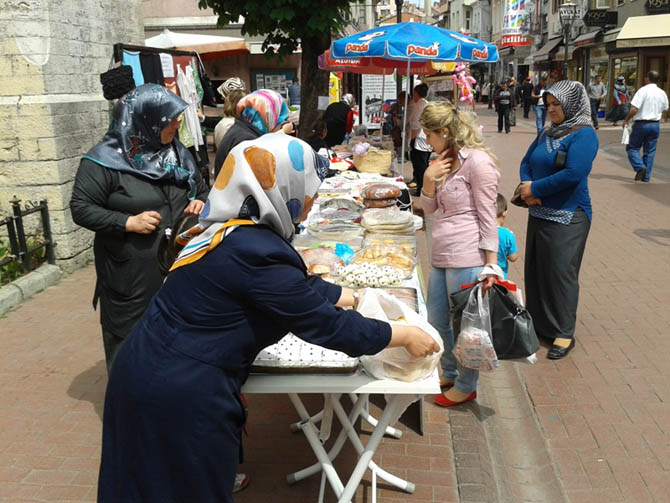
474, 349
397, 363
625, 136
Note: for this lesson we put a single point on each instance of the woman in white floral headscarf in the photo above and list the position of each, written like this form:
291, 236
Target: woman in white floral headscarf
173, 414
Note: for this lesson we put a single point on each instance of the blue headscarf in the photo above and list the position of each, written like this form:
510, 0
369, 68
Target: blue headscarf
133, 142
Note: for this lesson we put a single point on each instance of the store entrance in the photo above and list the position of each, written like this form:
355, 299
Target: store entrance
658, 63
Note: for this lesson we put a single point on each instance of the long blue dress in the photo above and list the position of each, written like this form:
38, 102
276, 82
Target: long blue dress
173, 414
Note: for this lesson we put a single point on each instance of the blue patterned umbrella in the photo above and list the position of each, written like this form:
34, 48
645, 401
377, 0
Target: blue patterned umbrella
414, 42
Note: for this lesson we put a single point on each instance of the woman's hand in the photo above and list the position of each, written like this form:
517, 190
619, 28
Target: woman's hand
417, 342
288, 128
439, 168
533, 201
194, 207
487, 283
524, 190
144, 223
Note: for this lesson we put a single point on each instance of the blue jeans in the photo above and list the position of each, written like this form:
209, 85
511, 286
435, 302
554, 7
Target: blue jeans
645, 136
540, 116
442, 283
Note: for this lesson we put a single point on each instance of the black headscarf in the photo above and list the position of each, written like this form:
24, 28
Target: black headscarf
133, 142
575, 104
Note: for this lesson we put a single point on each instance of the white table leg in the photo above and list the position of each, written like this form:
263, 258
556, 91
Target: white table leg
392, 409
292, 478
390, 430
326, 464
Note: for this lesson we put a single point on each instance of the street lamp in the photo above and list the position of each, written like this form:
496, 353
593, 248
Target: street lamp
567, 14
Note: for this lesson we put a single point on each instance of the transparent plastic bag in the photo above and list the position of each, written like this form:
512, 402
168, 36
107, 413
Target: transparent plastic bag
397, 363
407, 243
386, 255
474, 348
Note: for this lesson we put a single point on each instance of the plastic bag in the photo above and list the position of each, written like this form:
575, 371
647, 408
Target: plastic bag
397, 363
474, 348
391, 255
625, 136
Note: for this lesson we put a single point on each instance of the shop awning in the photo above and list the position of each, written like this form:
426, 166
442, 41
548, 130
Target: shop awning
645, 31
547, 49
587, 39
560, 52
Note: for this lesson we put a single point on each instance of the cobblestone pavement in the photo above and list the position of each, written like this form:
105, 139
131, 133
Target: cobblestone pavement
592, 427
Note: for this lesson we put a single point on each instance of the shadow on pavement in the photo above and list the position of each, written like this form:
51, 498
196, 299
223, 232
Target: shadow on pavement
658, 236
90, 386
599, 176
655, 191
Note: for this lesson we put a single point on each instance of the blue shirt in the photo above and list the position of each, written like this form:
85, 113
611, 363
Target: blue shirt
506, 247
567, 189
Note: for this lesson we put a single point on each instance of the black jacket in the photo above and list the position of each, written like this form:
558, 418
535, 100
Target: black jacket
238, 132
337, 118
125, 262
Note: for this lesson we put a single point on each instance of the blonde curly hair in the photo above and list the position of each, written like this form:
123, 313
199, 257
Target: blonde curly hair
459, 126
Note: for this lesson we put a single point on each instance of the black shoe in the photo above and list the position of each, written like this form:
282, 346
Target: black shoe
640, 174
558, 352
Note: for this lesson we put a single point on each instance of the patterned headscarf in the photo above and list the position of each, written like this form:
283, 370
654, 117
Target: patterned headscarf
264, 109
231, 84
133, 142
269, 180
575, 104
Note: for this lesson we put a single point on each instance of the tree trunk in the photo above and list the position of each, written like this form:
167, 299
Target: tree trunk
313, 82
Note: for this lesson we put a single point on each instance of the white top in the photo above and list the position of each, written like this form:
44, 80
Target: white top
650, 101
415, 110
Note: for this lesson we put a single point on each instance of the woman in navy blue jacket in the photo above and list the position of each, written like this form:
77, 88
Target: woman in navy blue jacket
173, 413
554, 176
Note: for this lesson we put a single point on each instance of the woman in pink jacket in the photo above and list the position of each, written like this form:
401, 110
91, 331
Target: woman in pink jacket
461, 186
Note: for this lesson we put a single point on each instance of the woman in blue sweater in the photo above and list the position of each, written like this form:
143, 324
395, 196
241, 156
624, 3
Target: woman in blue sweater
554, 184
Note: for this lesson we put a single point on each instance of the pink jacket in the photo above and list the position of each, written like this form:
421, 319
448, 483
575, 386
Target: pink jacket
465, 224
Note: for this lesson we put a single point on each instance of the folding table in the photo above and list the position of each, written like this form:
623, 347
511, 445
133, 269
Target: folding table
358, 387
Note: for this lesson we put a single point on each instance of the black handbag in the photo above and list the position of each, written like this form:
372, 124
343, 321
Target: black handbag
117, 81
209, 95
512, 330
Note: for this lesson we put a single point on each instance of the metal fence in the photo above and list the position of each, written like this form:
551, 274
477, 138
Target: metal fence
18, 243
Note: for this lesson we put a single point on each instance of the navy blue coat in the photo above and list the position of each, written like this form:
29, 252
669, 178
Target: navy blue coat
173, 414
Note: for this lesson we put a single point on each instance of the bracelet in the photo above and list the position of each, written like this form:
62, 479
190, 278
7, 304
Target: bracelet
357, 297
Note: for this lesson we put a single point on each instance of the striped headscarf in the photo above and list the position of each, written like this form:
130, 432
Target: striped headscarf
269, 180
264, 109
575, 104
231, 84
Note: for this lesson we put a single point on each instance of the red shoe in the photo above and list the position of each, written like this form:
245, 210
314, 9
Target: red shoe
443, 401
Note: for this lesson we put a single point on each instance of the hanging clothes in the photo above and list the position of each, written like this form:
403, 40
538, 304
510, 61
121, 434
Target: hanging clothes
196, 80
132, 59
151, 68
188, 93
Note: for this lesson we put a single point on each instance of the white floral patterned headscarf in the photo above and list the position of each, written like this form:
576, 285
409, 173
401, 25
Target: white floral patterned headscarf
269, 180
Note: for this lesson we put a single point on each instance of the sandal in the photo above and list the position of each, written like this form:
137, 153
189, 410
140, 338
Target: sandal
241, 481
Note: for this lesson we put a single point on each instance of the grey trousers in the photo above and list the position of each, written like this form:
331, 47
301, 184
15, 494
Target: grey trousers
554, 254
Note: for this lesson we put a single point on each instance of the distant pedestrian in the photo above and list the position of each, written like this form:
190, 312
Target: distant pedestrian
620, 101
507, 248
526, 96
538, 100
294, 94
596, 92
503, 101
485, 92
339, 118
554, 184
419, 149
648, 106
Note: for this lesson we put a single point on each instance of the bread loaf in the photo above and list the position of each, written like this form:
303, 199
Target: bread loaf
380, 191
380, 203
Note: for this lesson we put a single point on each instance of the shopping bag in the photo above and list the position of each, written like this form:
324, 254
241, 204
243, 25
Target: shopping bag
473, 348
397, 363
625, 136
511, 325
512, 117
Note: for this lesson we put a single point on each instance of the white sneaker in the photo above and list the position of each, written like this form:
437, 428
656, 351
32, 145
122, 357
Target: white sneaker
241, 481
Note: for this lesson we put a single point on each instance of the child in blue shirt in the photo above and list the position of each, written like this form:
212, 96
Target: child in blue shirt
507, 250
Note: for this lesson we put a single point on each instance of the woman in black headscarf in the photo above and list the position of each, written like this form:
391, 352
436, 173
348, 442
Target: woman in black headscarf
554, 184
129, 189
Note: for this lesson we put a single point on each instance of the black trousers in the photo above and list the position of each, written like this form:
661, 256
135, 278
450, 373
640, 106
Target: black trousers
526, 107
503, 116
111, 343
419, 160
553, 258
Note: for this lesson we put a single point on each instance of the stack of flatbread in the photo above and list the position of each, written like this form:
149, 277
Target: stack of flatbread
387, 221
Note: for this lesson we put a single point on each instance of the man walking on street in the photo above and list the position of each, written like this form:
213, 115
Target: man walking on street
419, 149
596, 92
526, 96
538, 98
503, 101
647, 107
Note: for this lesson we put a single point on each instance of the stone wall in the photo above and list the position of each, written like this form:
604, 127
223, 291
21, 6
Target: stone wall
51, 105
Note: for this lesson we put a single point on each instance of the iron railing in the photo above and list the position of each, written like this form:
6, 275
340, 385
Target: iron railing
18, 243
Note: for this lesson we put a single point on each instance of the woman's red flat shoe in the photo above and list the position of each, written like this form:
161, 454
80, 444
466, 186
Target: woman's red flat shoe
443, 401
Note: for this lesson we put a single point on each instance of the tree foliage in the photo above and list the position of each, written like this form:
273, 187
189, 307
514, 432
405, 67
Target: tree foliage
286, 23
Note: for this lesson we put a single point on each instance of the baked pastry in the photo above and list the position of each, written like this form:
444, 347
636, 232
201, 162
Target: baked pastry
380, 203
380, 190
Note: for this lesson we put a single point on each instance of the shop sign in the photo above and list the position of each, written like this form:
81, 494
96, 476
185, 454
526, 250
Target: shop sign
513, 40
658, 6
602, 17
515, 24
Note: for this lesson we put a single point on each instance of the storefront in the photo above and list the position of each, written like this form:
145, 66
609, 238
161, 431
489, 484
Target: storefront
542, 59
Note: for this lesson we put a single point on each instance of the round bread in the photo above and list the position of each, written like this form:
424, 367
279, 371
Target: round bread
380, 191
380, 203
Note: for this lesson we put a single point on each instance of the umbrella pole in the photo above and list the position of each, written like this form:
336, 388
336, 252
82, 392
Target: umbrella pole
404, 117
381, 129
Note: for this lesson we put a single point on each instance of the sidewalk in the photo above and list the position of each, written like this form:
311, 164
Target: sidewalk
592, 427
